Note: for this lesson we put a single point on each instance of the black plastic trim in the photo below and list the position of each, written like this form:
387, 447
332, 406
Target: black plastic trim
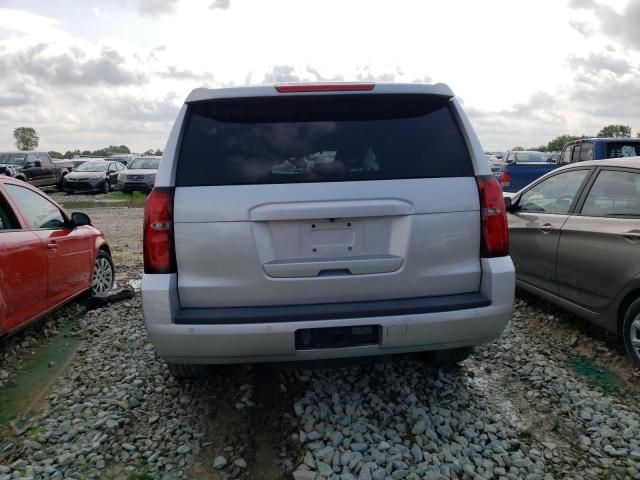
329, 311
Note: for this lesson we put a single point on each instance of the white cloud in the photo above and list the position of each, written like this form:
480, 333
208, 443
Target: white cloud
86, 82
100, 13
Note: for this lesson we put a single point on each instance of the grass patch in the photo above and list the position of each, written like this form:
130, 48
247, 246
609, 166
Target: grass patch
606, 379
37, 432
113, 199
140, 474
138, 197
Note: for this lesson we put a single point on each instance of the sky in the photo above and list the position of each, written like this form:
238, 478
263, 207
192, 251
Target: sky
87, 74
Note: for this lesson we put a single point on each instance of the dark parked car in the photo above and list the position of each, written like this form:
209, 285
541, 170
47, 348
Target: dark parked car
36, 168
48, 256
575, 241
96, 176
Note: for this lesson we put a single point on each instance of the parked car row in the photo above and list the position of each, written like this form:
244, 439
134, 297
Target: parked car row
83, 174
107, 175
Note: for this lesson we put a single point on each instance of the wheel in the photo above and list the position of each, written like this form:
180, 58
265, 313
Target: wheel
186, 370
60, 183
104, 273
106, 188
631, 331
451, 356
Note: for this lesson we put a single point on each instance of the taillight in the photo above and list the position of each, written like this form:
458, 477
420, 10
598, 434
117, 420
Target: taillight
158, 247
495, 230
324, 87
505, 179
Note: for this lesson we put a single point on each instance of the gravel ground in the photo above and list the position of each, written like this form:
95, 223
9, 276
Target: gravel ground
518, 408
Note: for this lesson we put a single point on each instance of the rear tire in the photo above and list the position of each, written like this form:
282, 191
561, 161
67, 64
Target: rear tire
107, 187
185, 370
449, 357
631, 332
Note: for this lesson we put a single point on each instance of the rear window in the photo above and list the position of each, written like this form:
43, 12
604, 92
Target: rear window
531, 157
623, 149
299, 139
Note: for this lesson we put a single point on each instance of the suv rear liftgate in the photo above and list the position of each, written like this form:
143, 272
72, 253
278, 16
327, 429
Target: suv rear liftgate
301, 211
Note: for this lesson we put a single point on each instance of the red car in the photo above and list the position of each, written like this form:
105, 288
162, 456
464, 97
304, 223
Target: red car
47, 256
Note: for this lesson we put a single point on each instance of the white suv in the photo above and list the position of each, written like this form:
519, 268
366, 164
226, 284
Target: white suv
315, 221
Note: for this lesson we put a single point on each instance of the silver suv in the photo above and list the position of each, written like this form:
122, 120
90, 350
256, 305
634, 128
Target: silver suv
316, 221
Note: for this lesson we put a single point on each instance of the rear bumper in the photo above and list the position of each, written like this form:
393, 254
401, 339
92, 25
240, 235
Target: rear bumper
203, 337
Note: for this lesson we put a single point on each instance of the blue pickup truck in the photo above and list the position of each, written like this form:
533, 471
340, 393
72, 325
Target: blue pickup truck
523, 167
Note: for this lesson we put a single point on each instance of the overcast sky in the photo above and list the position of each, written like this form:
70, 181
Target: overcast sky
86, 74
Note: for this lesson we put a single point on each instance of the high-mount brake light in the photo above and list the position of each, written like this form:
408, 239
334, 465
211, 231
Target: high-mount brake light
324, 87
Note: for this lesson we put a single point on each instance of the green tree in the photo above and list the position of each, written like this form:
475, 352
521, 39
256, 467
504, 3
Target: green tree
71, 153
614, 130
26, 138
110, 150
148, 152
54, 154
517, 149
158, 152
557, 143
85, 152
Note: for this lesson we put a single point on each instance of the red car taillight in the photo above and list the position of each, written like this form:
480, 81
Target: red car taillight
505, 179
495, 230
158, 246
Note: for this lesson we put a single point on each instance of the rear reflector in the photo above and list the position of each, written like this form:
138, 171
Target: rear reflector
324, 87
495, 229
158, 246
505, 179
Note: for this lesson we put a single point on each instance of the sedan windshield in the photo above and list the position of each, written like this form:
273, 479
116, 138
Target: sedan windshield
144, 164
92, 167
13, 158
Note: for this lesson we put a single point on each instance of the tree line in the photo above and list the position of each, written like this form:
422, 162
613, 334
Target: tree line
27, 139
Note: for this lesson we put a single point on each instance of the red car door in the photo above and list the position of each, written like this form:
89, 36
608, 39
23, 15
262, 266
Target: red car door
67, 250
23, 271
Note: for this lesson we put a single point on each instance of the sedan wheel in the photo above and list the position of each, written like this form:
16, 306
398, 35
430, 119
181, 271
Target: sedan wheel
104, 273
631, 331
106, 187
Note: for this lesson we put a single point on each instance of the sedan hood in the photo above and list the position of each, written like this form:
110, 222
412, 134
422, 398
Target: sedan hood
84, 175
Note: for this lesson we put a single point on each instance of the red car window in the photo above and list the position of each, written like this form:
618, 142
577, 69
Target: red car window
40, 212
7, 219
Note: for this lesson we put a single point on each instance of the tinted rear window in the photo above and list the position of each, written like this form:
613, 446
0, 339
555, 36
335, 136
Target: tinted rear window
623, 149
288, 139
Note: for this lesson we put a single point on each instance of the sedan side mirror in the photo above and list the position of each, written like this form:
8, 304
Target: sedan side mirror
508, 204
79, 219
